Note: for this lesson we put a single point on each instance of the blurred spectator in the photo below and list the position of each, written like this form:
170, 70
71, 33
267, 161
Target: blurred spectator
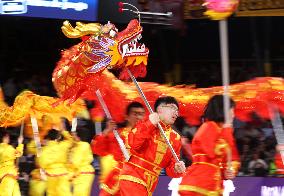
257, 166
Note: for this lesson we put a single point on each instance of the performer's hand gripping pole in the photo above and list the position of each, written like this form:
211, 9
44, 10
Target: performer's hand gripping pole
151, 111
116, 135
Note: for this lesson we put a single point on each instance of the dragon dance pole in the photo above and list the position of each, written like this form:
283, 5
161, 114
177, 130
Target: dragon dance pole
116, 135
223, 34
36, 136
74, 124
151, 111
22, 128
21, 135
37, 144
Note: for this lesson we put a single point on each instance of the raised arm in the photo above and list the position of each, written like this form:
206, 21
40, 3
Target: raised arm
140, 134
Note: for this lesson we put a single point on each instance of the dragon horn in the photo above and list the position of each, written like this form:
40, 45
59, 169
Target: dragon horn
80, 30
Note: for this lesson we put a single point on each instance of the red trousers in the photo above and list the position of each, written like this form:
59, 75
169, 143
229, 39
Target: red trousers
128, 188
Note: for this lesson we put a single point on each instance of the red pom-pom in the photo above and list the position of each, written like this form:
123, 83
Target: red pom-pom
120, 10
120, 4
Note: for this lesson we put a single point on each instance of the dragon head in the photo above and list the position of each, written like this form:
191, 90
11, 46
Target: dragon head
128, 45
102, 47
105, 47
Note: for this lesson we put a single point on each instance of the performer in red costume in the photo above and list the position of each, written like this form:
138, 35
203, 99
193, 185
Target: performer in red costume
106, 144
150, 152
215, 156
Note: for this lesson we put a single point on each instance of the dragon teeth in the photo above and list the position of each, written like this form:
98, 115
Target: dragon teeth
133, 47
124, 50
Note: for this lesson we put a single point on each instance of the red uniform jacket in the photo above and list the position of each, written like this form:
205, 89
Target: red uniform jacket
211, 147
150, 154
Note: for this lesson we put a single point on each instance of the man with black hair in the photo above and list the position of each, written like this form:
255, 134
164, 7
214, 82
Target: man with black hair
53, 159
150, 153
106, 144
81, 158
214, 153
134, 112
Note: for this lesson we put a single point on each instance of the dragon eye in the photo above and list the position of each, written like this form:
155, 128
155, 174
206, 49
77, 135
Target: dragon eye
112, 33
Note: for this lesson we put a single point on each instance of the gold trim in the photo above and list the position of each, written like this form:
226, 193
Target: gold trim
133, 179
198, 190
150, 180
199, 155
151, 172
147, 161
205, 163
109, 190
221, 144
118, 168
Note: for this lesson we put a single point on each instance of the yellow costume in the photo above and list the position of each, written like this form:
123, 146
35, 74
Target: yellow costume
53, 160
107, 164
37, 185
81, 158
8, 170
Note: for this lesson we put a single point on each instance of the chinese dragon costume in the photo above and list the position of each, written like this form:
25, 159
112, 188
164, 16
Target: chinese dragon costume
81, 71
